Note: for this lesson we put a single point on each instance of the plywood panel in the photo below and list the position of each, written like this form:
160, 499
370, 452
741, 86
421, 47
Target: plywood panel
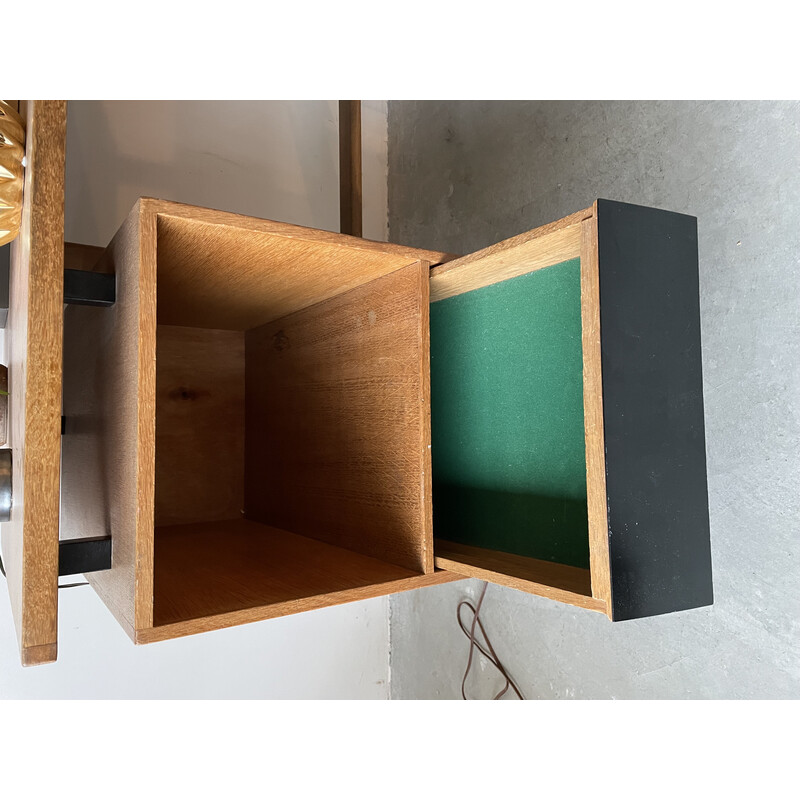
545, 578
350, 194
36, 290
215, 575
220, 270
109, 403
84, 256
550, 244
214, 568
199, 425
337, 416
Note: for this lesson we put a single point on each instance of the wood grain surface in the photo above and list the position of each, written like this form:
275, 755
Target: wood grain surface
337, 416
542, 247
213, 568
220, 270
84, 256
35, 338
199, 425
363, 352
109, 403
566, 584
219, 574
350, 193
596, 498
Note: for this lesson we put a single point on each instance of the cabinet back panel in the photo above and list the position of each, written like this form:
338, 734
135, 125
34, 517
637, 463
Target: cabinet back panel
199, 425
509, 464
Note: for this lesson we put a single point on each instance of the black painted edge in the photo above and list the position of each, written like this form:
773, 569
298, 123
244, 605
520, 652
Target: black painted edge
656, 476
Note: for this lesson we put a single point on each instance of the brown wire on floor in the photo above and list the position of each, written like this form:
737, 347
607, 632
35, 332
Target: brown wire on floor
490, 654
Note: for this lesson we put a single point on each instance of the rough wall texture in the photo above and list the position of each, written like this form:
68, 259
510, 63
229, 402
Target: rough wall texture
463, 175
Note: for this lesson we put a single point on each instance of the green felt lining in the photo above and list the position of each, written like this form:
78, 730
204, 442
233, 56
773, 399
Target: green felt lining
509, 464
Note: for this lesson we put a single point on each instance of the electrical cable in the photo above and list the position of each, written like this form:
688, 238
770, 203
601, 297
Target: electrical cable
489, 653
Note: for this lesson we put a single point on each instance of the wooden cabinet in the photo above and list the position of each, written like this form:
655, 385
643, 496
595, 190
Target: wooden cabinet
272, 419
256, 439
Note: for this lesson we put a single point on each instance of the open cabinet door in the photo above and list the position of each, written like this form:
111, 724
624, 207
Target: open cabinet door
35, 334
567, 413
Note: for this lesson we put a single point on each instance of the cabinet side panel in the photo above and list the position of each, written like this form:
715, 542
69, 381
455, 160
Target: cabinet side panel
337, 421
36, 289
108, 449
659, 537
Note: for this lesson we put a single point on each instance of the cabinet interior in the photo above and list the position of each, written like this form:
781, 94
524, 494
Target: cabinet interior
291, 420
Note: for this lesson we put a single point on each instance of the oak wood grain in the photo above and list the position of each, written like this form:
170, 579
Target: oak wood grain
560, 582
350, 169
542, 247
199, 425
262, 613
109, 403
84, 256
211, 568
378, 333
218, 574
220, 270
338, 421
35, 340
275, 610
596, 497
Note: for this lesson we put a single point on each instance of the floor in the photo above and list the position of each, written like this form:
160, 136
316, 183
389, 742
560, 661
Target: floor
463, 175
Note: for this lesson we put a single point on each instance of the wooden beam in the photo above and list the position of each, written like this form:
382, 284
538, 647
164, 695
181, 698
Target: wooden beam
350, 200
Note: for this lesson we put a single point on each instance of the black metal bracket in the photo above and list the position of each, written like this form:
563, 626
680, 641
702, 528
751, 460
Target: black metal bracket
81, 287
84, 288
76, 556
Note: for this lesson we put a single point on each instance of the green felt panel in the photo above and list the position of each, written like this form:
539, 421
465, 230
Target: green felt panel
509, 465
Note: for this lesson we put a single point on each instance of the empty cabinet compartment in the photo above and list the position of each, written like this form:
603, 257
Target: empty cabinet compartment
250, 421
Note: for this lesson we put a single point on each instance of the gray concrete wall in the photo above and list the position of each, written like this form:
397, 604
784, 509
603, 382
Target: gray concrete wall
463, 175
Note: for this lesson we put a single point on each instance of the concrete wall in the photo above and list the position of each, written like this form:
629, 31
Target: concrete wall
277, 160
464, 175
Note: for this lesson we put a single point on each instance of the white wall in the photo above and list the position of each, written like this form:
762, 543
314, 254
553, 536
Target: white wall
277, 160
